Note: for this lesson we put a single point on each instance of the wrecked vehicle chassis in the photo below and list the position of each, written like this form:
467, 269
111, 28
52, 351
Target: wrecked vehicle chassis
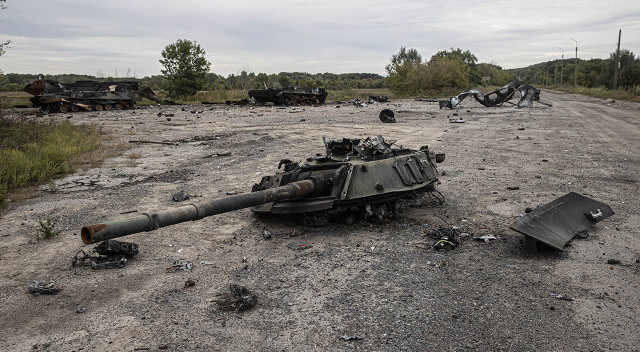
356, 177
86, 95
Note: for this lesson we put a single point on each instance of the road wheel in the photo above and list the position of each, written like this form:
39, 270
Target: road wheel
118, 106
98, 107
75, 108
63, 108
107, 106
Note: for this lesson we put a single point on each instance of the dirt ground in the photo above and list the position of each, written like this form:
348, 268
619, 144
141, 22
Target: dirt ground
379, 283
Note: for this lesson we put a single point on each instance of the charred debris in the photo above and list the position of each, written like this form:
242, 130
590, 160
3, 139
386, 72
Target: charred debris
525, 94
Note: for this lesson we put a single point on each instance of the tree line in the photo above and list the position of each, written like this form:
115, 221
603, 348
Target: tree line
591, 73
186, 71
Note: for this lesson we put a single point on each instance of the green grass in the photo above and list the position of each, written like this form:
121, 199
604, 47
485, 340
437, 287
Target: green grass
33, 153
9, 99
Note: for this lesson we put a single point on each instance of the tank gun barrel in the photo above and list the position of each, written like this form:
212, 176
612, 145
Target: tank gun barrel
154, 220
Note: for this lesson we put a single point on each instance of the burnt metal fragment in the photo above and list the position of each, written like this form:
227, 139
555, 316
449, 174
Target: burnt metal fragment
527, 95
180, 267
557, 222
111, 254
113, 247
180, 196
378, 98
239, 298
108, 262
41, 288
387, 116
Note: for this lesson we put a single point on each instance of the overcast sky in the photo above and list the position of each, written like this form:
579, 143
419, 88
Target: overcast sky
86, 36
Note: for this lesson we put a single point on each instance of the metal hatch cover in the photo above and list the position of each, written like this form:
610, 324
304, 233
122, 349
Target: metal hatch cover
557, 222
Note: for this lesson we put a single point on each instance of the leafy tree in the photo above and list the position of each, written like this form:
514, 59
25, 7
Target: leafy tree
185, 68
497, 76
403, 69
466, 57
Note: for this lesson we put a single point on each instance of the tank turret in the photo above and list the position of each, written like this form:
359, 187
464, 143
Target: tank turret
355, 177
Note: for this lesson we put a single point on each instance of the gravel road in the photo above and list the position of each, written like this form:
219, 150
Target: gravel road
361, 287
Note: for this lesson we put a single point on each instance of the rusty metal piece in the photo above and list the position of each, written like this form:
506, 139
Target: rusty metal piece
557, 222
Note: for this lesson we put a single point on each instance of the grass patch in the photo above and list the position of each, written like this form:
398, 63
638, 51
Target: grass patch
10, 99
33, 152
47, 229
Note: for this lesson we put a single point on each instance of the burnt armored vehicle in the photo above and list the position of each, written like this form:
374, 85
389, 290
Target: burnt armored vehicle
290, 96
86, 95
363, 177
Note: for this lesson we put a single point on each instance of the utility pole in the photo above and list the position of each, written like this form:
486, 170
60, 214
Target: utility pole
615, 74
561, 65
575, 74
555, 71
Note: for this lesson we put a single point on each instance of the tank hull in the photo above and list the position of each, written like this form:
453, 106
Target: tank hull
86, 95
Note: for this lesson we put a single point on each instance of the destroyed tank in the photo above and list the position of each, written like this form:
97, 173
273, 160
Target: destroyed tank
86, 95
289, 96
356, 177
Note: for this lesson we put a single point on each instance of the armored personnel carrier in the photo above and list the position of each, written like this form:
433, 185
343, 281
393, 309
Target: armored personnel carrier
86, 95
290, 96
356, 177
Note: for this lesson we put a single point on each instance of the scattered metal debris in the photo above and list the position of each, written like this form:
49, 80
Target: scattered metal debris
485, 238
180, 267
446, 236
457, 121
180, 196
528, 94
358, 103
557, 222
387, 116
111, 254
563, 297
613, 261
351, 337
81, 310
190, 283
239, 298
299, 245
41, 288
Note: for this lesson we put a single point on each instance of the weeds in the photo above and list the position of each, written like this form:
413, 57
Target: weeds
35, 152
47, 229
